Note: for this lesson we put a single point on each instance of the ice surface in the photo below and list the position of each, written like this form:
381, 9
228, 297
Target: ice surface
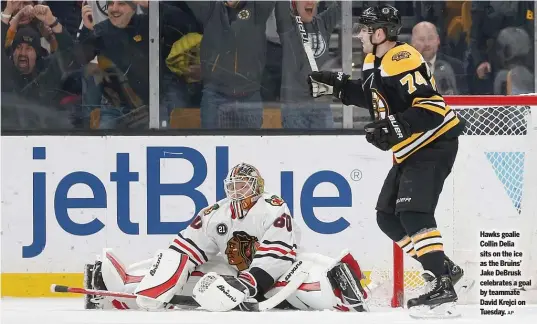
69, 311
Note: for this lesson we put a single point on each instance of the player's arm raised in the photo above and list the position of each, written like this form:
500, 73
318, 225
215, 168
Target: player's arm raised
338, 84
172, 266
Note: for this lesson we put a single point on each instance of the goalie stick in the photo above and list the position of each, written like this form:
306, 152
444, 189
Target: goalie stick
297, 279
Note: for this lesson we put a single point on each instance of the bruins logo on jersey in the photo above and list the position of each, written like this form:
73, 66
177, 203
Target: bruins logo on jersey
241, 249
275, 201
209, 210
400, 56
380, 106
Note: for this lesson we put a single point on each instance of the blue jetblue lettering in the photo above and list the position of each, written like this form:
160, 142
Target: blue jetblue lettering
123, 177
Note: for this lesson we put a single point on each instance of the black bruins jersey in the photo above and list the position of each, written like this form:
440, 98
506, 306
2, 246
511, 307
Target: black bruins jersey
401, 82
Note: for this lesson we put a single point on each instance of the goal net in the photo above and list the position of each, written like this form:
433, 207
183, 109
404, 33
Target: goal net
489, 189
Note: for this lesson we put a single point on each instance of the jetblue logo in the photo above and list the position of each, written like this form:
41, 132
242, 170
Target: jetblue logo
124, 179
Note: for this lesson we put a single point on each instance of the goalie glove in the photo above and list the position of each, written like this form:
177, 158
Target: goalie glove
218, 293
325, 83
386, 133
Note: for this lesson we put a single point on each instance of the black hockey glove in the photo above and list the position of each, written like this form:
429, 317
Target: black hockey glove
386, 133
325, 83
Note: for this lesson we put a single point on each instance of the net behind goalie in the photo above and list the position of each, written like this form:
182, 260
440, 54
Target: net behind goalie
412, 120
257, 239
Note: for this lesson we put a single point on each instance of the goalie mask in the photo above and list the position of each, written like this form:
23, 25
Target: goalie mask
243, 185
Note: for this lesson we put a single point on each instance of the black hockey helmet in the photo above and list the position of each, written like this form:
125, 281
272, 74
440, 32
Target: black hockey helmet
381, 16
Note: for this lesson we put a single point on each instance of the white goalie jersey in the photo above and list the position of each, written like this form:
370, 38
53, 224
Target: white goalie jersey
262, 242
244, 246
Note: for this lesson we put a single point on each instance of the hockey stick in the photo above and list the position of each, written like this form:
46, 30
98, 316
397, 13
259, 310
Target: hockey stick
306, 43
176, 300
297, 278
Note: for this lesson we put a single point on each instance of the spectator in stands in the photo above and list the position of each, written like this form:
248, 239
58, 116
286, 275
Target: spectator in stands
299, 110
180, 69
183, 74
448, 71
488, 19
272, 75
233, 50
513, 46
28, 72
121, 44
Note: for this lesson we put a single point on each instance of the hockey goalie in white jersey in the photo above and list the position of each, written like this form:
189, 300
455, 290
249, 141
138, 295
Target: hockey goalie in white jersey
241, 250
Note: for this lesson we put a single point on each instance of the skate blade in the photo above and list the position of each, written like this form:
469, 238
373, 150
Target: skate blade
443, 311
463, 286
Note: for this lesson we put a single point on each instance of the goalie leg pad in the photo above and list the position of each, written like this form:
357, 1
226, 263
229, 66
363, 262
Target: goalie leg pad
109, 273
348, 288
115, 276
165, 278
321, 290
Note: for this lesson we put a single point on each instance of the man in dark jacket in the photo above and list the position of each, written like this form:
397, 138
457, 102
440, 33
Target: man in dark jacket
232, 61
121, 44
426, 40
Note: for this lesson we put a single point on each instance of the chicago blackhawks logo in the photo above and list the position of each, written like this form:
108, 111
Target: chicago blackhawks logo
380, 106
241, 249
275, 201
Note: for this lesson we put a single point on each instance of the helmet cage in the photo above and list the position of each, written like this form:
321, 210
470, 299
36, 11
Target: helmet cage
241, 187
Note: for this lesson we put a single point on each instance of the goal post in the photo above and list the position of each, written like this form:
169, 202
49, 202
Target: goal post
494, 187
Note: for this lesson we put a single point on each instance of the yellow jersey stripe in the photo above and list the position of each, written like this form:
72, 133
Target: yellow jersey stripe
431, 248
449, 122
414, 137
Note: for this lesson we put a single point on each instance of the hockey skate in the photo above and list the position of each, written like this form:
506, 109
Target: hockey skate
457, 273
350, 289
438, 302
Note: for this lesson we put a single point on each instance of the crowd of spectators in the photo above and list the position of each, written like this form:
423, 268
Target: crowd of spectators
232, 64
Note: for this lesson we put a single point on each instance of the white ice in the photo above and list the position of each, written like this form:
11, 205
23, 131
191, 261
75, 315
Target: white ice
69, 311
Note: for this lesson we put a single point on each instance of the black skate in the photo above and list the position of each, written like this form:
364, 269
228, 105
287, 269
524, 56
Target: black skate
438, 302
352, 292
93, 279
457, 273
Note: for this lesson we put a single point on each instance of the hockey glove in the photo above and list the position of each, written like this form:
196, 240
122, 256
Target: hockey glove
223, 293
386, 133
325, 83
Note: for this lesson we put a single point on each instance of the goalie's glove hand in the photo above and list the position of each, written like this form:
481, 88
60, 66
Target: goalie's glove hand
325, 83
386, 133
220, 293
246, 283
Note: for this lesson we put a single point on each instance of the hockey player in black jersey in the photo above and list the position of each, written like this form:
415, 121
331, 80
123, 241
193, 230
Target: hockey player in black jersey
412, 120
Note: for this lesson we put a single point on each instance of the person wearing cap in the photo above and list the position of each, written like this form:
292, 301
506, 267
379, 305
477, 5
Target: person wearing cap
27, 71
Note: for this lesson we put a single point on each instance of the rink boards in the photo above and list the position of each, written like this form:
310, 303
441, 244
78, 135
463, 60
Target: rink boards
66, 198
